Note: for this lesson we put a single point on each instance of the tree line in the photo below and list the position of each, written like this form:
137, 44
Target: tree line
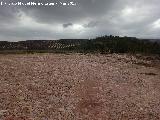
103, 44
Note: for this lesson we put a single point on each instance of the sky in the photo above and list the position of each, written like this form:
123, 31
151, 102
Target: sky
79, 19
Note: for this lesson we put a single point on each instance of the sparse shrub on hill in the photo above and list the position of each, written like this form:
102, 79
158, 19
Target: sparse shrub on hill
103, 44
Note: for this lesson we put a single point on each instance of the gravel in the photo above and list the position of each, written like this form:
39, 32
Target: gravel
78, 87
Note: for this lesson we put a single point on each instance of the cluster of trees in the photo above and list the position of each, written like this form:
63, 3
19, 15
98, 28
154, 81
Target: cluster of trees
116, 44
103, 44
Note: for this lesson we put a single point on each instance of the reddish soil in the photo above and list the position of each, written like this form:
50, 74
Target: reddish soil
78, 87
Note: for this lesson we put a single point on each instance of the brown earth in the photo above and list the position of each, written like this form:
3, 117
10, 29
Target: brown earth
78, 87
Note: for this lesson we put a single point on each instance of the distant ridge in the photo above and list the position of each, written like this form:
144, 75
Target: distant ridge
40, 44
103, 44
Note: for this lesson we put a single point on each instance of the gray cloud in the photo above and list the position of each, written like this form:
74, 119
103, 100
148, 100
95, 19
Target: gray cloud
91, 24
67, 25
89, 18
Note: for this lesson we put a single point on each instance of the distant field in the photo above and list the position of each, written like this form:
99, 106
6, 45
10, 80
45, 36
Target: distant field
79, 87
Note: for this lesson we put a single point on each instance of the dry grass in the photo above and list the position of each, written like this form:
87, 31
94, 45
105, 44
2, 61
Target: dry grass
78, 87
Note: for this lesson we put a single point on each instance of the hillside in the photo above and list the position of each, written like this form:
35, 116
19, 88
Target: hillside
103, 44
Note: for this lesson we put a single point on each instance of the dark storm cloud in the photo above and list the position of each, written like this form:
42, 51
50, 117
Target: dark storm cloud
8, 14
84, 9
67, 25
89, 18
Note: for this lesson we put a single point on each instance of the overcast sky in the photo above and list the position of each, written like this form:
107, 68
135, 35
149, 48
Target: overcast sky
86, 19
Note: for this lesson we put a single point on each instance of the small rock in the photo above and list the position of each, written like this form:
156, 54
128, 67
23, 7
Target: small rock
61, 109
2, 112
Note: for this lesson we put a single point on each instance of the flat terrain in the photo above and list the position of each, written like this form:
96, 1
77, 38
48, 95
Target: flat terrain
78, 87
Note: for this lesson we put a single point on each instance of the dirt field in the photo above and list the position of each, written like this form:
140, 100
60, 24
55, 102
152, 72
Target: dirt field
78, 87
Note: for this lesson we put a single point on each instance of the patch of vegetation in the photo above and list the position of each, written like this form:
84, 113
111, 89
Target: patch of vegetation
115, 44
103, 45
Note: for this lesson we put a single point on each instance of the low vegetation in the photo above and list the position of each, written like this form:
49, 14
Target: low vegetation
104, 44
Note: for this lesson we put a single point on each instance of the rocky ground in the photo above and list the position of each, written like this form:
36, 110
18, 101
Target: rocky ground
79, 87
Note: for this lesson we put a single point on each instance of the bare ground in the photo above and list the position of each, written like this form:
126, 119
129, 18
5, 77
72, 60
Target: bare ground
78, 87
